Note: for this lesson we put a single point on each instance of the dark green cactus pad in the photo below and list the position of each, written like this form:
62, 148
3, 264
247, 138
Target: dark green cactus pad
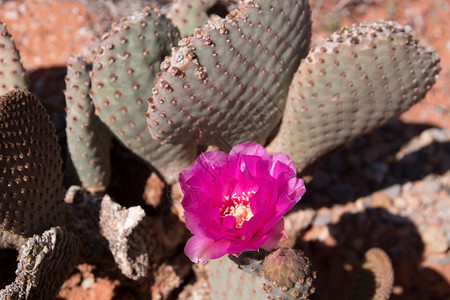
228, 82
359, 79
30, 165
188, 15
88, 140
124, 69
12, 73
44, 263
376, 277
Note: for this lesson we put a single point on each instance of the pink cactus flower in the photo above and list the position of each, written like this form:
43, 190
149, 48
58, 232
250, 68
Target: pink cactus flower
235, 203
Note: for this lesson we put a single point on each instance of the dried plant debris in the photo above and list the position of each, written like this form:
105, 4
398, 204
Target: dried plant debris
44, 263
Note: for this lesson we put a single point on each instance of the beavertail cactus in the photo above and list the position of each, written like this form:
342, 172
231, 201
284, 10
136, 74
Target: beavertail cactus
284, 274
229, 282
88, 139
124, 69
30, 164
357, 80
188, 15
12, 73
376, 277
227, 83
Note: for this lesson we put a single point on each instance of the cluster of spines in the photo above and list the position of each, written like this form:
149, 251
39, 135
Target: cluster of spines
88, 140
227, 83
357, 80
30, 165
12, 73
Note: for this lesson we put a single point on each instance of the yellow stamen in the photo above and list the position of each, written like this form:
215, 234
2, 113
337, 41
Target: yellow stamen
237, 206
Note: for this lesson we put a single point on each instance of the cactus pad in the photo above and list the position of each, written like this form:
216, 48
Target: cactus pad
359, 79
124, 69
228, 82
30, 165
229, 282
188, 15
88, 140
284, 274
12, 73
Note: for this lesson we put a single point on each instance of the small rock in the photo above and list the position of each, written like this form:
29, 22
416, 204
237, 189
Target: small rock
393, 191
382, 200
317, 234
435, 240
322, 218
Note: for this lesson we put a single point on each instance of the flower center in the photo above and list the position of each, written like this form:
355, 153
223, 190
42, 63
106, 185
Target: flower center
237, 206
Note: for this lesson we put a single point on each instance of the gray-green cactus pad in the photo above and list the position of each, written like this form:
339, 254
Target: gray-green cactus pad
124, 69
12, 73
30, 166
188, 15
228, 82
229, 282
359, 79
247, 277
88, 140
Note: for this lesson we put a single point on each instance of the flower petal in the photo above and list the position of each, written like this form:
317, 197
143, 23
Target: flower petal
201, 249
275, 235
220, 189
282, 163
250, 148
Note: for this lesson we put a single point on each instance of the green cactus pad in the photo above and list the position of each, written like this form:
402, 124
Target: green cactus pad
124, 69
359, 79
188, 15
229, 282
12, 73
228, 82
88, 140
30, 165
